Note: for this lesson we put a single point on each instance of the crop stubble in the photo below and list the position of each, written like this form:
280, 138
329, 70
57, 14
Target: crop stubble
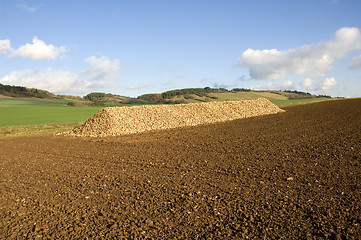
293, 175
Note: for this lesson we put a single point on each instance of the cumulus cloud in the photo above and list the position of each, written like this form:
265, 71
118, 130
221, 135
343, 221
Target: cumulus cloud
49, 79
328, 83
38, 50
314, 60
102, 68
5, 46
288, 84
59, 81
308, 83
356, 63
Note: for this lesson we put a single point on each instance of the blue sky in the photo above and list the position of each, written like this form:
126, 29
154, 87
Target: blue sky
131, 47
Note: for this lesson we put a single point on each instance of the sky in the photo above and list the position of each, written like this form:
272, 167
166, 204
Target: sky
133, 47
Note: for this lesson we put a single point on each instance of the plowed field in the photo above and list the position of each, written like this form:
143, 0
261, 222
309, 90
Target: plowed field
293, 175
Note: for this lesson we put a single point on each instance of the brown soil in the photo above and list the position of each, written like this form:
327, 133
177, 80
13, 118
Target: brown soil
293, 175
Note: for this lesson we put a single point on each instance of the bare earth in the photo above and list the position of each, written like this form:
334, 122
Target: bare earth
292, 175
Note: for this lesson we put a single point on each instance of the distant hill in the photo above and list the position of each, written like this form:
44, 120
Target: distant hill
18, 91
99, 97
186, 95
192, 95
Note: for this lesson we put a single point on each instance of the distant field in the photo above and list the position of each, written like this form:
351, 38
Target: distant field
246, 95
293, 102
277, 99
230, 96
19, 112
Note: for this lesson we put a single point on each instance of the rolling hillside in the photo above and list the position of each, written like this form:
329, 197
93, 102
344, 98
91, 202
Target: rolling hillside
193, 95
19, 91
186, 95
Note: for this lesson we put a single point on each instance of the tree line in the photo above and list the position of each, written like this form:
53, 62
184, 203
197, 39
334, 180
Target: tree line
19, 91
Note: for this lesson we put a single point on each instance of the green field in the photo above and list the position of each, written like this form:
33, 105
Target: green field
229, 96
20, 112
26, 112
293, 102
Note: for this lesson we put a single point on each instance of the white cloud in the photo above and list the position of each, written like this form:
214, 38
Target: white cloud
320, 87
308, 83
288, 84
39, 50
102, 68
328, 83
49, 79
58, 81
285, 85
29, 8
314, 60
4, 46
356, 63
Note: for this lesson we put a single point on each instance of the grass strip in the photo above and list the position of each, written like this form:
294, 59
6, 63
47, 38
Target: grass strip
295, 102
15, 131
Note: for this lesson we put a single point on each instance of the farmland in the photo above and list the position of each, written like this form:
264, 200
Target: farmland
17, 112
293, 175
19, 116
